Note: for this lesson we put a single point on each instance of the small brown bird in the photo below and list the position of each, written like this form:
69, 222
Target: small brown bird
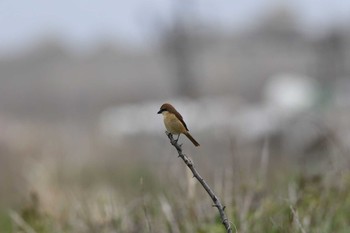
174, 122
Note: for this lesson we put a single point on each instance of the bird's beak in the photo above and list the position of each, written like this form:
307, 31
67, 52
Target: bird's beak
160, 111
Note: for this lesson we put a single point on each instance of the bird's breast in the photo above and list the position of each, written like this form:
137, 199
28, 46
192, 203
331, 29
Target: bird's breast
172, 124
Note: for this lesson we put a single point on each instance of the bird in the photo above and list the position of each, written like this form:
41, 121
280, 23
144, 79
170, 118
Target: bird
174, 122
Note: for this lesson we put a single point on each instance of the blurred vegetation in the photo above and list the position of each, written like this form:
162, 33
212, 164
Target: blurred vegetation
297, 203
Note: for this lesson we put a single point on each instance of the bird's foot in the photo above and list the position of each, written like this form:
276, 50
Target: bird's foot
177, 139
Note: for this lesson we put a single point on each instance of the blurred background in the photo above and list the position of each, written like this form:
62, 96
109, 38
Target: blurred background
264, 86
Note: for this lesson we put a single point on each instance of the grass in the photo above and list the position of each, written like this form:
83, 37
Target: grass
297, 203
127, 188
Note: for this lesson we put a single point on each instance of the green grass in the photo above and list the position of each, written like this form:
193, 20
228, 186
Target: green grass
5, 222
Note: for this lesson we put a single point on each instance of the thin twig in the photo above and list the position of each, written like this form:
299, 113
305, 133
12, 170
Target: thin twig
195, 173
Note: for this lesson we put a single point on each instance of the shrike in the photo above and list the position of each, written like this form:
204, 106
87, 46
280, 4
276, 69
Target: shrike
174, 122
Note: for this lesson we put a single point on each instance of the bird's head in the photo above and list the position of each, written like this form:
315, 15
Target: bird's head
166, 108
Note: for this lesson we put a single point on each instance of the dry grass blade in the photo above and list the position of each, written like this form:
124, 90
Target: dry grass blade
297, 219
19, 221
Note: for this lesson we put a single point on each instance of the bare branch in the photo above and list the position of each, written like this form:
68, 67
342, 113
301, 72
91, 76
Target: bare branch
195, 173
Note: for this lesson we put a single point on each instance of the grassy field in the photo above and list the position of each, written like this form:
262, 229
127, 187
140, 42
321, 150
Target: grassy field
144, 201
117, 192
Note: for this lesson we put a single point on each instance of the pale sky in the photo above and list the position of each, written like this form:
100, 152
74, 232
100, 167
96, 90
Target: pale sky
83, 23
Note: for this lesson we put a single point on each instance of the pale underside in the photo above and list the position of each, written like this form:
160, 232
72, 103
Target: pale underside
172, 124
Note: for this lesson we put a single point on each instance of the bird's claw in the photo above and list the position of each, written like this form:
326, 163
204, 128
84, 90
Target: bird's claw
177, 139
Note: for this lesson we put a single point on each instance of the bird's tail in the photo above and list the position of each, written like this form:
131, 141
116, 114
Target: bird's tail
191, 139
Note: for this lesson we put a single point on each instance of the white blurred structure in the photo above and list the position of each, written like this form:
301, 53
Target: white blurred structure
291, 93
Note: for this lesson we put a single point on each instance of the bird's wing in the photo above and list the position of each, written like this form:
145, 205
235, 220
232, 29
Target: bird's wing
178, 115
